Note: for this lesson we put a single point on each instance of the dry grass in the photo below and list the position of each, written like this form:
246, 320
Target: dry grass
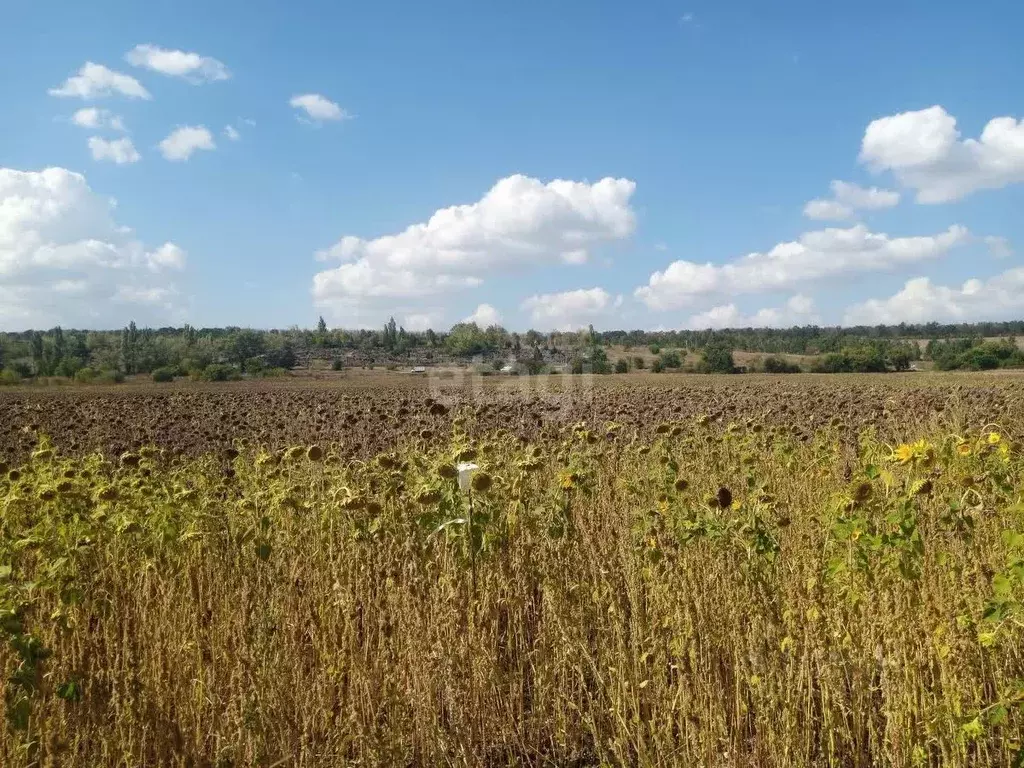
710, 594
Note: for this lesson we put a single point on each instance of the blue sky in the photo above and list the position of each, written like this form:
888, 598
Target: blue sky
713, 124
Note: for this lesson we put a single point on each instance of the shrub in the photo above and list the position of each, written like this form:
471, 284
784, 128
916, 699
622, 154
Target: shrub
638, 363
85, 376
671, 359
655, 349
254, 366
220, 372
775, 364
336, 364
163, 375
9, 377
283, 357
68, 367
657, 366
22, 368
717, 358
110, 376
863, 359
621, 366
599, 360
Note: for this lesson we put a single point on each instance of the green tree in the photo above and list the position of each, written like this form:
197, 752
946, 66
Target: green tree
535, 363
899, 358
282, 356
599, 360
717, 358
35, 342
672, 359
390, 338
320, 335
243, 344
466, 339
129, 347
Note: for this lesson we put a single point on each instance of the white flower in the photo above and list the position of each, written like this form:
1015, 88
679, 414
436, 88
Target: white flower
466, 470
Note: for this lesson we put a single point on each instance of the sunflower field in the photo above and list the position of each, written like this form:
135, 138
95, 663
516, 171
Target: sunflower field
707, 591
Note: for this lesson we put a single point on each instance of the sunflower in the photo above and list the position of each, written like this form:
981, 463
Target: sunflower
904, 454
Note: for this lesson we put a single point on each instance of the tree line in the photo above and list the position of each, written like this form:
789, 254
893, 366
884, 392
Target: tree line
218, 353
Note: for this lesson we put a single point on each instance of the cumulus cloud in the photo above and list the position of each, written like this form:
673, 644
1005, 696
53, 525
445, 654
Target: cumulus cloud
848, 198
189, 66
120, 151
167, 256
520, 222
421, 321
799, 310
317, 107
63, 258
97, 119
570, 309
95, 81
921, 301
485, 316
816, 255
828, 210
184, 141
231, 133
924, 151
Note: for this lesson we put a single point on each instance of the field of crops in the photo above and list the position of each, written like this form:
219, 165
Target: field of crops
735, 571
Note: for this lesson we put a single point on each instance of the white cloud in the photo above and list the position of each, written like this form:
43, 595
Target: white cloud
120, 151
828, 210
318, 107
183, 141
363, 280
998, 246
167, 256
95, 81
570, 309
231, 133
155, 296
63, 258
96, 118
485, 316
421, 321
190, 66
921, 301
521, 222
864, 198
924, 151
848, 198
799, 310
816, 255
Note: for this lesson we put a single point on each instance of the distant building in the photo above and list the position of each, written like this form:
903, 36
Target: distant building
420, 369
